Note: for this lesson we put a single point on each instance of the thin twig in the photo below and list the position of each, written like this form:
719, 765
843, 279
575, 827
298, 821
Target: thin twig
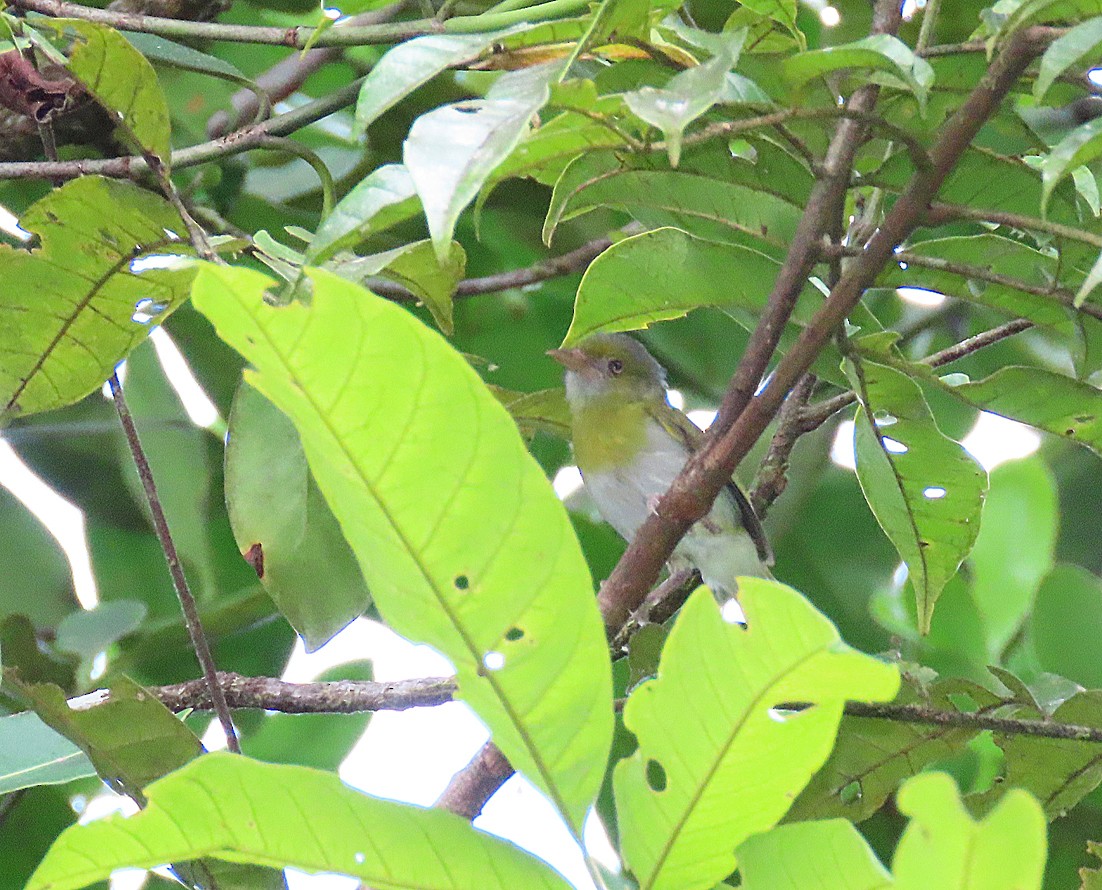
183, 592
941, 213
772, 477
816, 415
245, 139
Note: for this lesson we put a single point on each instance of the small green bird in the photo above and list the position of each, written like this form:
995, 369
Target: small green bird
630, 443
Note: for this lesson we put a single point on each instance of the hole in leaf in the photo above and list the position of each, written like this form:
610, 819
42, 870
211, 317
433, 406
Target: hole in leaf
656, 775
146, 310
513, 634
493, 661
360, 858
934, 493
731, 612
779, 715
462, 582
883, 418
851, 793
894, 447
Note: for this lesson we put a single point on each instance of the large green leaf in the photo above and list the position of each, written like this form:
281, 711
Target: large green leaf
880, 52
130, 737
283, 525
1058, 772
411, 64
451, 151
296, 816
1081, 146
460, 537
1066, 618
1080, 44
665, 274
1015, 548
73, 307
31, 753
925, 489
1032, 12
828, 855
719, 759
872, 758
943, 847
122, 81
1044, 399
382, 199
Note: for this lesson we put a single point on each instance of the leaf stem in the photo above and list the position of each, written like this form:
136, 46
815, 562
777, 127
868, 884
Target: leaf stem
176, 570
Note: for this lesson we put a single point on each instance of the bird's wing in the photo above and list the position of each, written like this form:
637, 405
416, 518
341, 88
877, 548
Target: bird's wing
679, 426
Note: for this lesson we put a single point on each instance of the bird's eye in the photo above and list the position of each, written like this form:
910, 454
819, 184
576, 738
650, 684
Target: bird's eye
615, 365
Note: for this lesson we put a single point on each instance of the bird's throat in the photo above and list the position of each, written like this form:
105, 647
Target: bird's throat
608, 433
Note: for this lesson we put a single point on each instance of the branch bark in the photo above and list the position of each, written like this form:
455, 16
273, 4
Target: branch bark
746, 416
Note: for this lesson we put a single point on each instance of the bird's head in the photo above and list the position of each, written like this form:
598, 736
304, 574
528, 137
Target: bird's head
610, 365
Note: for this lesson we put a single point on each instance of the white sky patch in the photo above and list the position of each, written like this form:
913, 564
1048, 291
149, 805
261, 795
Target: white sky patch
910, 7
567, 481
703, 417
196, 402
920, 296
62, 519
9, 225
676, 398
992, 441
1095, 76
830, 17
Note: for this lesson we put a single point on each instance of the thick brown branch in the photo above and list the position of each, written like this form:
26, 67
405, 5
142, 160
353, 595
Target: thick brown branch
476, 783
695, 489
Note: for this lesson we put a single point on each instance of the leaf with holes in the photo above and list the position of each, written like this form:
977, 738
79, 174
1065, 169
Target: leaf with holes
719, 757
925, 490
298, 817
458, 533
76, 305
122, 81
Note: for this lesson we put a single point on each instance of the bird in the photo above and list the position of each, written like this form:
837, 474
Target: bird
630, 444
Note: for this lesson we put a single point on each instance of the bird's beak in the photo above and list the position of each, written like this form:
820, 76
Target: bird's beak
572, 359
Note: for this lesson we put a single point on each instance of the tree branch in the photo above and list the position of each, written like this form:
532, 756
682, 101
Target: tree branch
357, 696
245, 139
176, 570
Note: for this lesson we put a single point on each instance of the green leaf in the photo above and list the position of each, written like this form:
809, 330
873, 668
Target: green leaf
451, 151
196, 812
1061, 773
545, 410
460, 537
31, 753
1014, 549
1081, 146
666, 273
73, 308
943, 847
685, 800
871, 757
691, 199
989, 253
925, 489
89, 632
1079, 45
1033, 12
384, 198
1066, 617
686, 96
880, 52
411, 64
828, 855
28, 550
429, 278
284, 527
122, 81
1059, 405
130, 737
